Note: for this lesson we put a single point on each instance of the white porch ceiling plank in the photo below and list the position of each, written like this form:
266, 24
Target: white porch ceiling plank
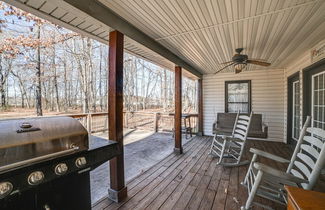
35, 3
287, 34
68, 17
59, 13
48, 7
120, 7
204, 12
77, 21
147, 14
190, 54
193, 49
169, 15
157, 16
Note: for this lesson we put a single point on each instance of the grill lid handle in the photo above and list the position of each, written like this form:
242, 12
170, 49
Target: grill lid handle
26, 127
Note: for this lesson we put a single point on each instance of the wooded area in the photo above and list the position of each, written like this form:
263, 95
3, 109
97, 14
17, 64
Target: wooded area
46, 67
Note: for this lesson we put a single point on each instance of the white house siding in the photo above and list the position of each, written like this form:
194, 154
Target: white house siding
268, 95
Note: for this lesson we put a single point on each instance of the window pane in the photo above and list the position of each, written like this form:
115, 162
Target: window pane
318, 105
235, 107
296, 110
238, 92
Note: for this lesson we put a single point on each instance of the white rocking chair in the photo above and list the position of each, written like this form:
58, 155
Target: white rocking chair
303, 171
232, 146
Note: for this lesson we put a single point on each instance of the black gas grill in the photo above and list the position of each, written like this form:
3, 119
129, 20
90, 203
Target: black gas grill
45, 163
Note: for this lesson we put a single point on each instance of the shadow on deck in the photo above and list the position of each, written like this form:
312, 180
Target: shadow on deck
193, 181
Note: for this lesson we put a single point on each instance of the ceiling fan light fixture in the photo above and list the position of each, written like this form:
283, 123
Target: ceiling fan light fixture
239, 66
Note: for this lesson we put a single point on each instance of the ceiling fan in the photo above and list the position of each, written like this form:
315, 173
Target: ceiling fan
240, 61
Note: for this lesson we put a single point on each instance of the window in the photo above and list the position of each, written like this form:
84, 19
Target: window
238, 96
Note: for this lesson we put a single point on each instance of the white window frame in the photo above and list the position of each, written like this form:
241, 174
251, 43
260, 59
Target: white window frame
313, 96
293, 108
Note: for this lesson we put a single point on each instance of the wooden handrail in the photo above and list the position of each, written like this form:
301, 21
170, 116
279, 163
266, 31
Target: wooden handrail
152, 120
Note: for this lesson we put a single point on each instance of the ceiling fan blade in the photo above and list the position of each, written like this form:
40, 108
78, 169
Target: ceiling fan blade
261, 63
224, 68
227, 62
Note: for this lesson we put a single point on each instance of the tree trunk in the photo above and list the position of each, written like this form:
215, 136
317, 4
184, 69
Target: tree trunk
57, 100
39, 109
100, 79
66, 84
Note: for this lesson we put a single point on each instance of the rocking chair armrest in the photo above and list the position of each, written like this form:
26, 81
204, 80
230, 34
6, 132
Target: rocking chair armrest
268, 155
279, 174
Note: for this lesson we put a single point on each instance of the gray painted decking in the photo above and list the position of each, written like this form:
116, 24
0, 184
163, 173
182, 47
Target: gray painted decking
193, 181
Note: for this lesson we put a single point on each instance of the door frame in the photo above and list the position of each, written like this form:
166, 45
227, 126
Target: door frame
308, 73
291, 79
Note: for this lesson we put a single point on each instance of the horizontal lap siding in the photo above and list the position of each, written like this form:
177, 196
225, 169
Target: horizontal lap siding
267, 98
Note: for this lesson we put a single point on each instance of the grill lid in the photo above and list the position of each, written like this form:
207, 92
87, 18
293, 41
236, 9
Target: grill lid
29, 138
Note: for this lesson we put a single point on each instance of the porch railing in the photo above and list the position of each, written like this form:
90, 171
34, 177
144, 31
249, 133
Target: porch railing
154, 121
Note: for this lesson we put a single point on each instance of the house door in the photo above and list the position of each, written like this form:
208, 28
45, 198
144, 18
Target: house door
314, 94
293, 124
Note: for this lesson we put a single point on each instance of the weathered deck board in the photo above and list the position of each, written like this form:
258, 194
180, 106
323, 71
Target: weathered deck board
193, 181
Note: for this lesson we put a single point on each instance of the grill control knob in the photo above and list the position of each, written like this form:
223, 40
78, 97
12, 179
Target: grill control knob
81, 161
5, 189
61, 169
35, 178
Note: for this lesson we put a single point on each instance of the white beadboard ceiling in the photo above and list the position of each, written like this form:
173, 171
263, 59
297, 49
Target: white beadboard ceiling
206, 32
203, 32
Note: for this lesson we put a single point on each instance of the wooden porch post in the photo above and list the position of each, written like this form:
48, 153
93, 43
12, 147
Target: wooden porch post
118, 190
178, 110
200, 107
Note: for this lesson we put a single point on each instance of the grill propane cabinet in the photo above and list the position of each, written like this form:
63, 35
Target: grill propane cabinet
45, 163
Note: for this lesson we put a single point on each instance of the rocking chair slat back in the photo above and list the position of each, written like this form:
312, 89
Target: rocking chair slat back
305, 158
243, 127
314, 141
303, 168
243, 122
244, 117
241, 132
309, 156
297, 174
238, 136
317, 132
310, 150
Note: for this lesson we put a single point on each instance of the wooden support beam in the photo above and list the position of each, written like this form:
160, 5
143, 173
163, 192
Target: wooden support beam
118, 190
178, 110
200, 107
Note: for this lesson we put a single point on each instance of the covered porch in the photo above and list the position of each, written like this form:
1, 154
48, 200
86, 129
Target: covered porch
195, 39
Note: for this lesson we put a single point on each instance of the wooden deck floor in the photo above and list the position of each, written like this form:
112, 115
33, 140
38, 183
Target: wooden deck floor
192, 181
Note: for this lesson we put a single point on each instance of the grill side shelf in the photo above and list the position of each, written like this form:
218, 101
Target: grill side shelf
94, 157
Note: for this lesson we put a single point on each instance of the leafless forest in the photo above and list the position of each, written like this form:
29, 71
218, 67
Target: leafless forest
46, 68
